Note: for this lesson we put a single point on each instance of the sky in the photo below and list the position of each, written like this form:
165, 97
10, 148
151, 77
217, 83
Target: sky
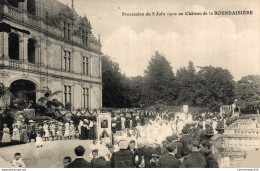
230, 42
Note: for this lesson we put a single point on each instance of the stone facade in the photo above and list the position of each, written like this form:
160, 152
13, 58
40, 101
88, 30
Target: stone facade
60, 52
239, 138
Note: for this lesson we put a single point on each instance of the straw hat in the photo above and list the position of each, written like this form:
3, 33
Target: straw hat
31, 121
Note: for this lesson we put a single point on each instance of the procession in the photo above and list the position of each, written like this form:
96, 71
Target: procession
144, 138
129, 84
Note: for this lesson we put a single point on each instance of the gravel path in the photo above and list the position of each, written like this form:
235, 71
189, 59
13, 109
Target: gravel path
49, 156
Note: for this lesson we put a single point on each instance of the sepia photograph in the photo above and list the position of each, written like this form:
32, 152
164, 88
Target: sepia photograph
129, 84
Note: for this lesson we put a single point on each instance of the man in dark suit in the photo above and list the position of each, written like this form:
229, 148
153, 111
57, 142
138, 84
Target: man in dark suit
194, 159
169, 160
79, 162
123, 158
136, 153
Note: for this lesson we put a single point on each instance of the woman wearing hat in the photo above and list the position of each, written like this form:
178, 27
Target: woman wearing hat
53, 127
23, 132
67, 130
16, 133
46, 131
6, 136
72, 130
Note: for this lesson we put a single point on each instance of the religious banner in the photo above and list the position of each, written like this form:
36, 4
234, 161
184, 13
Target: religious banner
104, 126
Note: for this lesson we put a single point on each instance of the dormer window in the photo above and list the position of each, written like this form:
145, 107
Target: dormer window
66, 30
84, 38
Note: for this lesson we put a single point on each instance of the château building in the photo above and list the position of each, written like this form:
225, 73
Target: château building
47, 44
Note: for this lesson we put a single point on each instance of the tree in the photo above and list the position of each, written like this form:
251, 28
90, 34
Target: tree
48, 95
115, 87
159, 81
186, 79
215, 87
248, 91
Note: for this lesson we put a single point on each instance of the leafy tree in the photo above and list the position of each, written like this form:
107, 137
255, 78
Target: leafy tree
159, 81
186, 79
215, 87
115, 88
248, 91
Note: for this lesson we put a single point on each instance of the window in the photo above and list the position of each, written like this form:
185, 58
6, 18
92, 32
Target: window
67, 61
84, 37
67, 94
85, 65
85, 98
66, 30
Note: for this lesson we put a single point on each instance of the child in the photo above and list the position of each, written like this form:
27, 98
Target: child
46, 131
18, 162
67, 130
39, 142
40, 130
52, 126
66, 161
72, 130
16, 133
59, 132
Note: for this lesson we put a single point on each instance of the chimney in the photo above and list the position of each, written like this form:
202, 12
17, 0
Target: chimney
39, 8
22, 4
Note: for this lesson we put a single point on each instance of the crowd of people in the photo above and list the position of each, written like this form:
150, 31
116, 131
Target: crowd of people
150, 140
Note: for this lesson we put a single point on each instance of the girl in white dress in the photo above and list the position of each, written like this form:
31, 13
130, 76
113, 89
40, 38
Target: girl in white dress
6, 136
53, 127
39, 142
59, 132
72, 130
67, 130
46, 131
16, 133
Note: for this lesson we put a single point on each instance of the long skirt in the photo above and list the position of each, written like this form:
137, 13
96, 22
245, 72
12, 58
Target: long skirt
92, 135
16, 137
24, 137
83, 133
67, 133
6, 138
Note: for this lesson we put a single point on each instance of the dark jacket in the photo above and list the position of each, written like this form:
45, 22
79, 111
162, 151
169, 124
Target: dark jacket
79, 163
194, 160
185, 150
169, 161
122, 159
211, 162
99, 162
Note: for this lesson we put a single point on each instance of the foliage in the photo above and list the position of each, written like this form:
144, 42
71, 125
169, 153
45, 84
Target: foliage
248, 91
68, 106
115, 85
208, 88
159, 81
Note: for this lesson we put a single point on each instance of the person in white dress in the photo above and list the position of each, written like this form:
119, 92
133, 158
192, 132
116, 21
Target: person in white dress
16, 133
67, 130
39, 142
59, 132
46, 131
6, 136
52, 127
81, 123
122, 122
72, 130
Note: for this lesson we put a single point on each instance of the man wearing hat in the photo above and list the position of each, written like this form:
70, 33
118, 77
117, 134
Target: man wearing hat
124, 158
169, 160
205, 147
194, 159
31, 130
